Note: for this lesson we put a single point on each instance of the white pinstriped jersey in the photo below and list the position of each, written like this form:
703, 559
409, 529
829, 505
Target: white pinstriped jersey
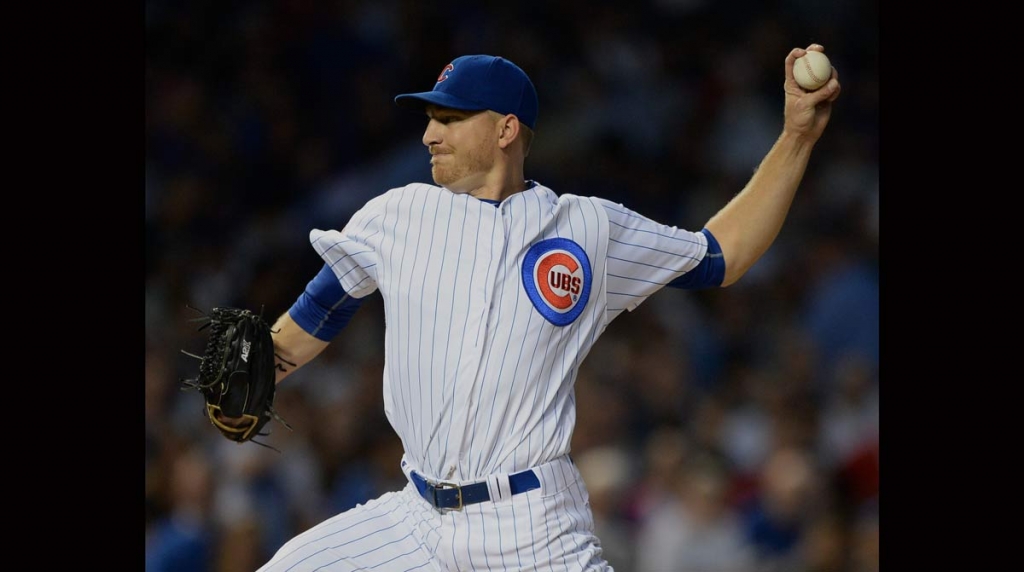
490, 311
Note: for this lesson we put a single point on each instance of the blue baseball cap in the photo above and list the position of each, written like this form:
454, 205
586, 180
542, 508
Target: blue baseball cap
480, 82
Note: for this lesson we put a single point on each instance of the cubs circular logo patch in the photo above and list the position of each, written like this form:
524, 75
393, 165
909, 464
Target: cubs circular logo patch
557, 278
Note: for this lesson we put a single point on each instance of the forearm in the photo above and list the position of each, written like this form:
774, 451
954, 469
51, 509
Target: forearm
751, 221
316, 317
293, 347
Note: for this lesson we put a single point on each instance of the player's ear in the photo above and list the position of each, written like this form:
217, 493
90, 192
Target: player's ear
508, 128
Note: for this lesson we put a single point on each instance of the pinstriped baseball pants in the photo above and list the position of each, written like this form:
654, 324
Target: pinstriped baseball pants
547, 529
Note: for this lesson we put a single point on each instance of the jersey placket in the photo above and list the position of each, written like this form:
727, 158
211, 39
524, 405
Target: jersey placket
497, 245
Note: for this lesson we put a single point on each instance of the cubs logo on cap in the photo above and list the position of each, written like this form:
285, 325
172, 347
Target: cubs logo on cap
444, 73
557, 278
478, 82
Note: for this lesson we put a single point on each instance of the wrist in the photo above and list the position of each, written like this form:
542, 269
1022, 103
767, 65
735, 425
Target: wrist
798, 142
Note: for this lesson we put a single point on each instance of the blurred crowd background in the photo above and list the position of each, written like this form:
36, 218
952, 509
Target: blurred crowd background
733, 430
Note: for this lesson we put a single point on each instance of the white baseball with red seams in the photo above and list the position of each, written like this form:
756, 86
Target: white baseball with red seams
813, 70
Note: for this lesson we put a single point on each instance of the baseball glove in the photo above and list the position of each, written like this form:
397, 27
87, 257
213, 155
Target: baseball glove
236, 373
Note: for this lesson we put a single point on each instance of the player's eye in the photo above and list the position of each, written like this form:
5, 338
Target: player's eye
446, 117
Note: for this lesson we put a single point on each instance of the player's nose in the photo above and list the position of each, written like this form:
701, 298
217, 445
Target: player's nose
432, 134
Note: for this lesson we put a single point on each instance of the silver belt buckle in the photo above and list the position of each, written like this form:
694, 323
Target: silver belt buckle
442, 485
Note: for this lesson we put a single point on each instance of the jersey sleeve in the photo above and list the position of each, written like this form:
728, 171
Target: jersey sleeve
352, 253
645, 256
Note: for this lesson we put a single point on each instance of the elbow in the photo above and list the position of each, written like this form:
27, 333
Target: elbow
737, 265
730, 278
738, 260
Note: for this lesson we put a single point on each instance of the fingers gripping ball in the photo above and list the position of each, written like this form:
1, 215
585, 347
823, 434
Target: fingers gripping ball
236, 373
812, 70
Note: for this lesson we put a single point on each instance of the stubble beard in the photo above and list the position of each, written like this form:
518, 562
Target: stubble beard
460, 175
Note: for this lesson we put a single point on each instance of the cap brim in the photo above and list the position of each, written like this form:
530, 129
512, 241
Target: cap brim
418, 101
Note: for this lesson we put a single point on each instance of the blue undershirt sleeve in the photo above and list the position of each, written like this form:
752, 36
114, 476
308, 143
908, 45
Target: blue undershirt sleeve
324, 308
709, 273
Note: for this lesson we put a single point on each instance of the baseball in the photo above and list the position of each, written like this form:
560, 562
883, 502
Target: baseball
812, 70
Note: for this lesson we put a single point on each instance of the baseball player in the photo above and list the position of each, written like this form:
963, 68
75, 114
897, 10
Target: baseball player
495, 288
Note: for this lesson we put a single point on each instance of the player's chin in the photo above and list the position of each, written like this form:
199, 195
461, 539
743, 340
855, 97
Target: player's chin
443, 178
458, 181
